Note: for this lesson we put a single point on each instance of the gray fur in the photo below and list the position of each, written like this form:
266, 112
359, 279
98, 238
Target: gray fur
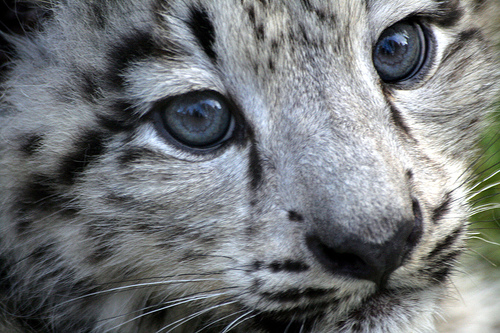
108, 227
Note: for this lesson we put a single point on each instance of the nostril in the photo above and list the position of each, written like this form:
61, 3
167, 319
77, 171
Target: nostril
339, 261
336, 261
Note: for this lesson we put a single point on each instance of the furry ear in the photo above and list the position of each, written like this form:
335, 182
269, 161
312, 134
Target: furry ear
18, 18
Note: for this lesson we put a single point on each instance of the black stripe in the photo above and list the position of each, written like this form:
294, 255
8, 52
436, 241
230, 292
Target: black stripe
440, 211
445, 244
203, 29
254, 166
290, 266
294, 295
398, 120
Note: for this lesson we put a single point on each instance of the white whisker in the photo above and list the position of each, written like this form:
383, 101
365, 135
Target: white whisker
238, 321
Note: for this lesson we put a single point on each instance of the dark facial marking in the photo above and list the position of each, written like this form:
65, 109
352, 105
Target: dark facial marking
440, 211
134, 155
134, 46
32, 144
462, 39
288, 266
86, 149
203, 29
445, 244
41, 194
398, 120
89, 86
294, 216
98, 13
440, 269
452, 12
294, 295
255, 166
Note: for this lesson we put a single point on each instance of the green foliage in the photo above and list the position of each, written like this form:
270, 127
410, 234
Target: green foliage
485, 238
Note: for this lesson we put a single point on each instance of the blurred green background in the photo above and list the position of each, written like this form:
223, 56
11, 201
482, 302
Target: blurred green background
485, 226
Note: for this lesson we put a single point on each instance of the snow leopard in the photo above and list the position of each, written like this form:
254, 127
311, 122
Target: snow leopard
241, 165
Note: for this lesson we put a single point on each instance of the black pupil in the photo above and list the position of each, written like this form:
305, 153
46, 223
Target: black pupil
200, 116
399, 52
394, 46
197, 119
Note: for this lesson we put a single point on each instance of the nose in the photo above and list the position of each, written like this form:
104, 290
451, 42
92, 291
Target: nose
352, 255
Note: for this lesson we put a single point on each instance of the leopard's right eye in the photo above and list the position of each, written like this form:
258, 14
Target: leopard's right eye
400, 52
200, 119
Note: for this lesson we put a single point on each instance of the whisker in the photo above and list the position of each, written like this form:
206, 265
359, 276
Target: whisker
137, 286
184, 320
171, 304
219, 320
241, 319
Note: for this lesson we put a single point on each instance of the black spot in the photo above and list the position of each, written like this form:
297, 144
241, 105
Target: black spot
440, 211
294, 216
90, 88
452, 13
86, 149
254, 167
41, 193
136, 45
260, 33
271, 65
307, 5
257, 265
251, 16
203, 29
31, 144
99, 15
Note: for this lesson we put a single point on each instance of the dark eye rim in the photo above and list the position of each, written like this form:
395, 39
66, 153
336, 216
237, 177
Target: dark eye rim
234, 133
420, 73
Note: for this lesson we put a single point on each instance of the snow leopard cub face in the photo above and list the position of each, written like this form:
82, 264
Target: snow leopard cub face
238, 165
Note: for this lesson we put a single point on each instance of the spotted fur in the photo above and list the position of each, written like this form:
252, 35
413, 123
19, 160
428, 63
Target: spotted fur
109, 224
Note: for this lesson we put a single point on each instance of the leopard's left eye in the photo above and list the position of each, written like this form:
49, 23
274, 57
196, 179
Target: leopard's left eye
200, 119
400, 52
